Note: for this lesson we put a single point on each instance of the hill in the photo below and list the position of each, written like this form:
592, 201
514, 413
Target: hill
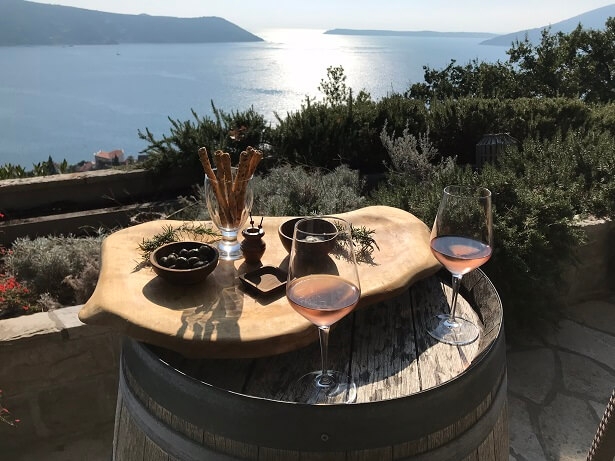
28, 23
417, 33
594, 19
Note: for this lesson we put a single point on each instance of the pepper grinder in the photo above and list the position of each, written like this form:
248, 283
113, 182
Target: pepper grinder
253, 245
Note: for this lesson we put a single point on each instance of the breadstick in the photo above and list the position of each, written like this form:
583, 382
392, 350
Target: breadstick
256, 157
227, 174
204, 157
218, 161
222, 193
239, 186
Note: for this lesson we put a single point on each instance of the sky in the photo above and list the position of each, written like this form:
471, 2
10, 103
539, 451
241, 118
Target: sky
496, 16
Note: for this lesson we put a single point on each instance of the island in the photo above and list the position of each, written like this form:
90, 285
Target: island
28, 23
409, 33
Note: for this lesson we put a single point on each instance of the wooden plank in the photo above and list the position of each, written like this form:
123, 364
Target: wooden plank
152, 452
500, 435
129, 446
438, 362
275, 377
384, 355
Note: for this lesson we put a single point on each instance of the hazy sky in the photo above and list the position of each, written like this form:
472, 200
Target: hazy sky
498, 16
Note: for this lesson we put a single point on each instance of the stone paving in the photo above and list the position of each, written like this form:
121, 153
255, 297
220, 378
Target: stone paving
559, 385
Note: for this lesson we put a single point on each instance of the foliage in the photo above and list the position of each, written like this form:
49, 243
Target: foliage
231, 132
299, 191
457, 125
171, 234
44, 264
15, 298
576, 65
538, 191
5, 414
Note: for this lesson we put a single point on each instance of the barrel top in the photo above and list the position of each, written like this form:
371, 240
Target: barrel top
406, 380
218, 318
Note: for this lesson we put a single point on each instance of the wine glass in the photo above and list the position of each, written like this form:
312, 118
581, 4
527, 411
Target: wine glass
323, 286
461, 240
229, 203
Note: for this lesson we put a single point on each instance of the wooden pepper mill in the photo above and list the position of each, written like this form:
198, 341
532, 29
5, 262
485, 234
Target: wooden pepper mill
253, 246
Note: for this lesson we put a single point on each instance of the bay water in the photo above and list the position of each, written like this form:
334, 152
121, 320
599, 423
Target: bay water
70, 102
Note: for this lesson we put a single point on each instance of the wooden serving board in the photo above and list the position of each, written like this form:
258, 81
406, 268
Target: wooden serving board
219, 318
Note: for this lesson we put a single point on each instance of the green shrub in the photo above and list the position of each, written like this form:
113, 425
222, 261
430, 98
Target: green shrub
231, 132
537, 193
456, 126
297, 191
63, 267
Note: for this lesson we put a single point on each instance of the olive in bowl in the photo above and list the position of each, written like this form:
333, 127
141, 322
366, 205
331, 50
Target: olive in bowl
184, 263
287, 229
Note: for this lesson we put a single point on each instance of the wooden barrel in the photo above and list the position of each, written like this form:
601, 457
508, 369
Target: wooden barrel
417, 399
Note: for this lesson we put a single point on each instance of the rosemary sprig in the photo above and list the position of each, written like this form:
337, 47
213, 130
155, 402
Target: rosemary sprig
364, 242
171, 234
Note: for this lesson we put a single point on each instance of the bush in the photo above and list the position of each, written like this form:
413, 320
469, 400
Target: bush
458, 125
297, 191
538, 192
64, 269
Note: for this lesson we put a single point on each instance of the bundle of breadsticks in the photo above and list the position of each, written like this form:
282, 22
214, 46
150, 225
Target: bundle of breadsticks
230, 190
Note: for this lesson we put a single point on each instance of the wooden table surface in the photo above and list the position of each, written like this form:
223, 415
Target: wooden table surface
385, 348
218, 318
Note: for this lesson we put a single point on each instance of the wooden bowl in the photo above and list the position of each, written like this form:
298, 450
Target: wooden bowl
285, 232
184, 272
287, 228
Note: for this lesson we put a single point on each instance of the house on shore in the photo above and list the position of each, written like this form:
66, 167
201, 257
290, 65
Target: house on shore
104, 159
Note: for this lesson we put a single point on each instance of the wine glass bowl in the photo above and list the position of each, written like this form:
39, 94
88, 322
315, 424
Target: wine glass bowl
461, 240
323, 286
229, 206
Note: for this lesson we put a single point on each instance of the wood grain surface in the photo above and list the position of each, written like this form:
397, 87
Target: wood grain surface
218, 318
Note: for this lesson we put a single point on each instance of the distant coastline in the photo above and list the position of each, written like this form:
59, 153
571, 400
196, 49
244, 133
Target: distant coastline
28, 23
417, 33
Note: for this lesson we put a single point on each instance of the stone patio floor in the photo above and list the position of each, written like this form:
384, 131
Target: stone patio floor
558, 387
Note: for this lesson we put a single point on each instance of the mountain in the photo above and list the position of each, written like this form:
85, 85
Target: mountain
594, 19
417, 33
28, 23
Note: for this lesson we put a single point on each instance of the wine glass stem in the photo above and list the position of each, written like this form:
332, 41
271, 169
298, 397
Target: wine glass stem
456, 282
323, 334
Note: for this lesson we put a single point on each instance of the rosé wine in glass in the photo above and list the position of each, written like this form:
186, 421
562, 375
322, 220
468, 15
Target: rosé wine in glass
323, 286
461, 240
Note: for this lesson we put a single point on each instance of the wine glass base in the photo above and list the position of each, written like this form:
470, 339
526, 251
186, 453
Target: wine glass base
457, 332
311, 388
229, 250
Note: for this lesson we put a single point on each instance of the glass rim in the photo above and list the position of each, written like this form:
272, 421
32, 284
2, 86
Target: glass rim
233, 174
325, 218
461, 190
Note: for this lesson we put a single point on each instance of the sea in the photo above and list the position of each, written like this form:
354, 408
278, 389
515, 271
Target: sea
69, 102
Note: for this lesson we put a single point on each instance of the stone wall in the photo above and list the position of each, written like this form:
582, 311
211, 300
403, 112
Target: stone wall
58, 376
592, 275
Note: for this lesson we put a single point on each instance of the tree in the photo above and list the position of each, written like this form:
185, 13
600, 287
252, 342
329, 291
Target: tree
580, 64
334, 87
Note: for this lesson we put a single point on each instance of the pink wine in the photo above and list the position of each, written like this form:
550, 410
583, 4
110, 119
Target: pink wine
323, 299
460, 255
